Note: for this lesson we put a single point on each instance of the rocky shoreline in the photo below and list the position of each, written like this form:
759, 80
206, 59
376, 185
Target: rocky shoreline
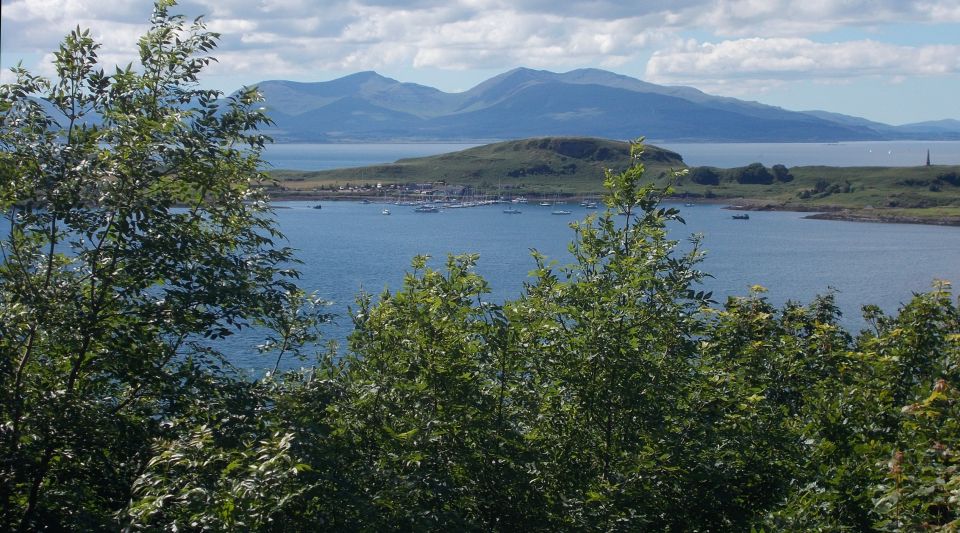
851, 215
816, 213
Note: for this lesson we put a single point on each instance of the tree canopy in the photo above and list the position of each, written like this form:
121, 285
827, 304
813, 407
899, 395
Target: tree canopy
135, 238
612, 394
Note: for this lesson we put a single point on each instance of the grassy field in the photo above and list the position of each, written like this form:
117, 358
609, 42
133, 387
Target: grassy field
818, 187
574, 167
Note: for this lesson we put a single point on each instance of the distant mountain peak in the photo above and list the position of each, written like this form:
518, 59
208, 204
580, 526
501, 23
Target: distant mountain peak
526, 102
367, 75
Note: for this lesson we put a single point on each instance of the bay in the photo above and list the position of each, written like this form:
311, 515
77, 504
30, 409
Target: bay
795, 258
348, 247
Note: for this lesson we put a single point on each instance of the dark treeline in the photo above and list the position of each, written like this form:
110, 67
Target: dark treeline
611, 394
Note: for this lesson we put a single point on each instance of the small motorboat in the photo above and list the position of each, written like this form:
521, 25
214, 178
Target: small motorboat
744, 216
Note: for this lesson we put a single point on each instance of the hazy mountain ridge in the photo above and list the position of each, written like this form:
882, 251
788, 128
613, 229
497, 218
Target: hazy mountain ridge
368, 107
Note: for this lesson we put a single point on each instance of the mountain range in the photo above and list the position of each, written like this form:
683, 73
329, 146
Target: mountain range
368, 107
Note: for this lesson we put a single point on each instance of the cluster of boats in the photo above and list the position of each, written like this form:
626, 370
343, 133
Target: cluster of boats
562, 211
513, 209
435, 207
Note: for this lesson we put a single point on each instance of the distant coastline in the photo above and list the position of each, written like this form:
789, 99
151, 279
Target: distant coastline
330, 156
851, 216
842, 215
571, 168
876, 216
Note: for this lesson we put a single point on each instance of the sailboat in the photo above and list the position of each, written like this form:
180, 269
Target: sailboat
559, 211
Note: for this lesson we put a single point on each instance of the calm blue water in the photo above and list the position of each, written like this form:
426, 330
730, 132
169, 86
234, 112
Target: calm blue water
348, 247
892, 153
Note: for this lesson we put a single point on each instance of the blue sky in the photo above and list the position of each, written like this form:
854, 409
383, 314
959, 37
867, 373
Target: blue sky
891, 61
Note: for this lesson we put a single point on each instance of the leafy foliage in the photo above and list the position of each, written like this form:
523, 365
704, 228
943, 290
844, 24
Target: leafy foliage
705, 176
135, 239
782, 173
754, 173
611, 395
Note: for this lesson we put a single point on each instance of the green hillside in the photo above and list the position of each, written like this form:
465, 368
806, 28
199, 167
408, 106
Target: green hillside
544, 166
927, 194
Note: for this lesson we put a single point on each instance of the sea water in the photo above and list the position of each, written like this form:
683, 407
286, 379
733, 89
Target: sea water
349, 247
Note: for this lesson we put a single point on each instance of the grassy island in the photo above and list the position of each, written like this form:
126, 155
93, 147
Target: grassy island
574, 167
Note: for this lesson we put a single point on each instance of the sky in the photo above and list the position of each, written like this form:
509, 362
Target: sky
891, 61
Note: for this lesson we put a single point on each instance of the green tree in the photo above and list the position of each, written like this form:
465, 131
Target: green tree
753, 174
705, 176
135, 237
431, 405
782, 173
614, 340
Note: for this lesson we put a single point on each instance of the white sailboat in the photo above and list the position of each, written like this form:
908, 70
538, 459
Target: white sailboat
560, 211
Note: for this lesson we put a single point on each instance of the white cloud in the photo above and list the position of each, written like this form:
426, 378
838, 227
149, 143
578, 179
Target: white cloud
768, 40
757, 61
791, 18
232, 25
945, 11
57, 11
